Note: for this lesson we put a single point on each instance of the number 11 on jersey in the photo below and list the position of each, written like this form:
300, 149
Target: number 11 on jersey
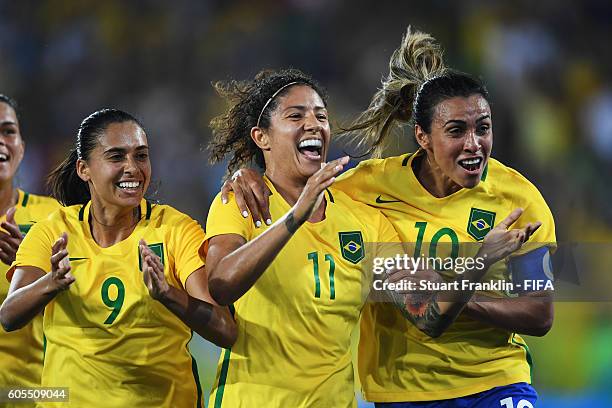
314, 257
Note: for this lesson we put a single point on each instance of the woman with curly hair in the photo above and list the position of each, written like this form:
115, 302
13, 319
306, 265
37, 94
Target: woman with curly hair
448, 192
299, 285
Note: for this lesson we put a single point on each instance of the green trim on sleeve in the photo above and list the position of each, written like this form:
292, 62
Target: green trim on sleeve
485, 172
149, 208
196, 378
527, 356
26, 197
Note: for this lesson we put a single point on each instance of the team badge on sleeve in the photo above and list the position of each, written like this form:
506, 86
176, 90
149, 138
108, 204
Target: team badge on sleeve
480, 223
351, 246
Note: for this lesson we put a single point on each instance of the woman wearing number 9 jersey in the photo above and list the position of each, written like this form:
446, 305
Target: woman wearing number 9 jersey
119, 279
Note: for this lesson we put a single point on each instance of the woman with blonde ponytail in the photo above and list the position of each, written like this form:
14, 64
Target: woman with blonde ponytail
448, 192
445, 199
418, 59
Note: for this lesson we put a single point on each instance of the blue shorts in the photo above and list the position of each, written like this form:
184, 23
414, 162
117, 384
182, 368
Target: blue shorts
520, 395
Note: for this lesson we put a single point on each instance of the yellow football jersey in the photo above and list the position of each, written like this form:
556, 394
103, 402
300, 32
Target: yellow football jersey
397, 362
295, 323
107, 339
21, 351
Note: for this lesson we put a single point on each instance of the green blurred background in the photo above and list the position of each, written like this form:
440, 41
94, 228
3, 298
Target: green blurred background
547, 65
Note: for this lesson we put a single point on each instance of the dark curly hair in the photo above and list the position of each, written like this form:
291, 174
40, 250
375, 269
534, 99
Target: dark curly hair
232, 130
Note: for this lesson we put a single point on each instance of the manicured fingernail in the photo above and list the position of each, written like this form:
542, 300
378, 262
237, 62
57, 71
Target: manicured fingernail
258, 223
338, 168
224, 200
269, 221
245, 214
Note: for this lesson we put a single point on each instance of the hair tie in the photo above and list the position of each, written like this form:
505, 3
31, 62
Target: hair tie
78, 146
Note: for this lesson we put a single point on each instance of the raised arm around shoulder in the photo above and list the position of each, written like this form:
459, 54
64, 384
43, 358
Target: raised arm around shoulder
251, 194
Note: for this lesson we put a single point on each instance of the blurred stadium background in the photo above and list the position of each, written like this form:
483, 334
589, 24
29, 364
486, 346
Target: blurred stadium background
547, 64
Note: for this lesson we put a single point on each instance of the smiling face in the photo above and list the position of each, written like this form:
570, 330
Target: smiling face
11, 143
297, 140
460, 140
118, 170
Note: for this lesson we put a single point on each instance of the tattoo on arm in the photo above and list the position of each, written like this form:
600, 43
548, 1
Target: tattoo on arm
424, 313
291, 224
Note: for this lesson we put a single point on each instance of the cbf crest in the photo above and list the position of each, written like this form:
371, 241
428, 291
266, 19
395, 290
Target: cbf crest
351, 246
157, 249
24, 228
480, 223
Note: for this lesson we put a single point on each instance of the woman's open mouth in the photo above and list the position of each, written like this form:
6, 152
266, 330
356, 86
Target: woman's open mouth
311, 149
129, 186
472, 165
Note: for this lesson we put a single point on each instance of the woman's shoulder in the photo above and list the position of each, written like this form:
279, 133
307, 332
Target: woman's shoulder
504, 176
505, 181
29, 200
378, 166
167, 215
353, 208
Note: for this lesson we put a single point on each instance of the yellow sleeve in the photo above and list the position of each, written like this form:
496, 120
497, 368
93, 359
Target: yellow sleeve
388, 243
358, 180
35, 249
226, 219
386, 232
187, 236
535, 209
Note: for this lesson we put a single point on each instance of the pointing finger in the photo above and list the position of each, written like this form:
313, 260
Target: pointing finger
511, 218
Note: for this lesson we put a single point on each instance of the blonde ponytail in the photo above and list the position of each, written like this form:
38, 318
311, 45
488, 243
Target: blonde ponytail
418, 59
